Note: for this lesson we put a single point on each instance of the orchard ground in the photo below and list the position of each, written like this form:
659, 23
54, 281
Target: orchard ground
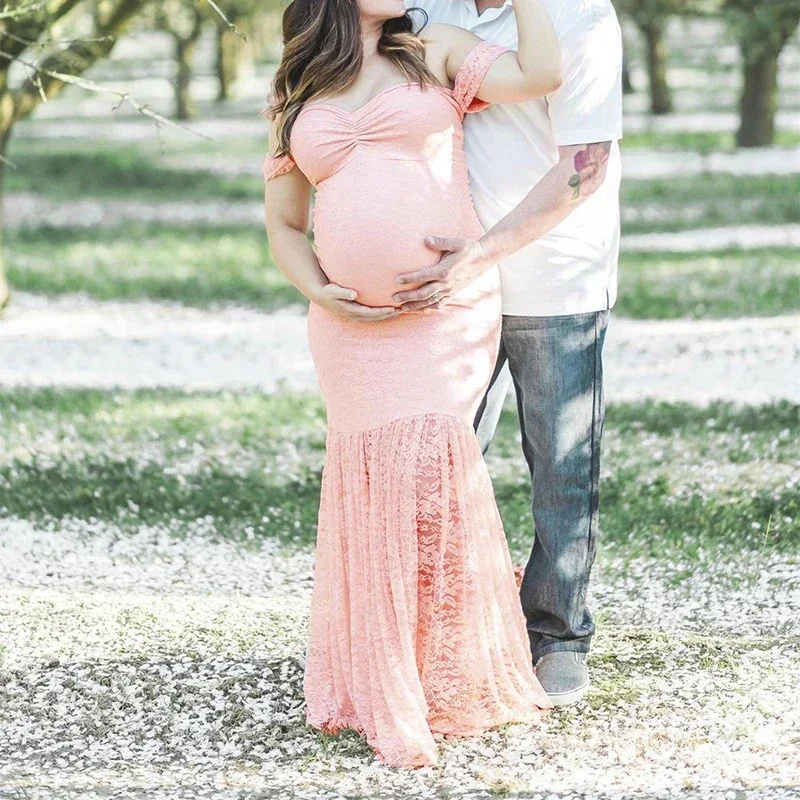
161, 439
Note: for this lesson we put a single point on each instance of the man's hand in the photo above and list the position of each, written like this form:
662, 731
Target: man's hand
462, 262
341, 301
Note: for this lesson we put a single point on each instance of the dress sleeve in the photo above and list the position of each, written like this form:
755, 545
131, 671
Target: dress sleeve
471, 73
276, 165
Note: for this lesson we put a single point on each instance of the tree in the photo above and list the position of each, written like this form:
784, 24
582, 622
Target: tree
234, 47
762, 29
29, 34
183, 20
651, 18
627, 83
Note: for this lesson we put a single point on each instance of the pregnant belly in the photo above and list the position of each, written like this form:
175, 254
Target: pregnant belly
366, 236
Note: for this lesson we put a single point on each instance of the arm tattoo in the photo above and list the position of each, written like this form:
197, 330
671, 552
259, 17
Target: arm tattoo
590, 169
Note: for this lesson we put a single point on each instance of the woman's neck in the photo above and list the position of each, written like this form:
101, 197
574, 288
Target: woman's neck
370, 36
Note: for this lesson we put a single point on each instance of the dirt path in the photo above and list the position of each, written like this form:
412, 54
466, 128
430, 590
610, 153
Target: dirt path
74, 341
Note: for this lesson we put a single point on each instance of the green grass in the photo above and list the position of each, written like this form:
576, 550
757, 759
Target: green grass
253, 461
710, 200
170, 418
197, 265
621, 656
700, 141
98, 169
734, 283
203, 266
65, 171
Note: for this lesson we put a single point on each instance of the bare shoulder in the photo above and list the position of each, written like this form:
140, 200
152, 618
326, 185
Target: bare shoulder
446, 47
440, 34
441, 42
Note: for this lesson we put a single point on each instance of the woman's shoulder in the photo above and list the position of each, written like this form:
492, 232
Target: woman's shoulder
443, 33
446, 45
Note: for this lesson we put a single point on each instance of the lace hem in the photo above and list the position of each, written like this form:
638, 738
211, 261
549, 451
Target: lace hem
416, 626
471, 73
274, 166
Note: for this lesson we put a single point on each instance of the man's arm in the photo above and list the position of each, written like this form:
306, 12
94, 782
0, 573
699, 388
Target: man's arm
580, 171
586, 115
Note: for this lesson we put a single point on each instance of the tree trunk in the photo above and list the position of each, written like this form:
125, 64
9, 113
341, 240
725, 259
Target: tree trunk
6, 115
5, 292
627, 83
184, 56
227, 61
660, 95
759, 100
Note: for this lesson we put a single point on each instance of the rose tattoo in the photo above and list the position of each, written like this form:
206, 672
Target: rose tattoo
589, 168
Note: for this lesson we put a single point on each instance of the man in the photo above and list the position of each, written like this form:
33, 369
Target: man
545, 179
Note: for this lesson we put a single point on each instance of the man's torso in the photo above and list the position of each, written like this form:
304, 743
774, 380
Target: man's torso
509, 148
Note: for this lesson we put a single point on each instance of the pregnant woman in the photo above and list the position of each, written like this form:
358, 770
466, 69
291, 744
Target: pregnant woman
416, 627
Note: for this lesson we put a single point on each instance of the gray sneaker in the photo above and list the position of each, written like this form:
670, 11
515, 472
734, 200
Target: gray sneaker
563, 676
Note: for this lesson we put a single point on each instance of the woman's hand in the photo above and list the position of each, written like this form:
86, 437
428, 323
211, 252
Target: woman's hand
341, 301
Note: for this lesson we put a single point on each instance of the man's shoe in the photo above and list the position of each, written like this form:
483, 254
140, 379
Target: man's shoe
564, 676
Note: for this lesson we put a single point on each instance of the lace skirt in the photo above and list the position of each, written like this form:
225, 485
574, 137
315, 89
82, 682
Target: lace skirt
416, 626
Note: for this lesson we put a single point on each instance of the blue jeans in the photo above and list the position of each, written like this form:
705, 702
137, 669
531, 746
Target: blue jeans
557, 369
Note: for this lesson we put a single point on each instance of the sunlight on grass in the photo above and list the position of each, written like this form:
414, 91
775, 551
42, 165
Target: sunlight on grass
676, 478
72, 169
202, 266
700, 141
195, 265
723, 284
711, 200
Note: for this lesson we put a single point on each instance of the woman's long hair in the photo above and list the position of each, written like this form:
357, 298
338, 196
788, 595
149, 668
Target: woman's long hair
323, 52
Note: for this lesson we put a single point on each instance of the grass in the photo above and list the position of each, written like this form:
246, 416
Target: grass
710, 200
699, 141
730, 283
252, 461
197, 265
621, 658
89, 169
98, 169
204, 266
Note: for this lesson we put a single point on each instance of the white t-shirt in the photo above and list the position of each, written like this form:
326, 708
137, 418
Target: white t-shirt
573, 268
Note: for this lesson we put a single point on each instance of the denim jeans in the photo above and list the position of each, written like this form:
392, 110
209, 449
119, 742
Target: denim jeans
557, 369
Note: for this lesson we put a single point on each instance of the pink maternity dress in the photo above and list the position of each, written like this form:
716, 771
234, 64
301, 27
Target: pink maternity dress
416, 626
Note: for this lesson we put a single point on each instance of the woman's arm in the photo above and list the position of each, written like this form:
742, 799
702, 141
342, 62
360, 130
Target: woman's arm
287, 199
532, 71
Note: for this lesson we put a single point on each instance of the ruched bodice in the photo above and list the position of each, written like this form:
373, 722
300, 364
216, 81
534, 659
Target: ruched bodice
405, 122
394, 165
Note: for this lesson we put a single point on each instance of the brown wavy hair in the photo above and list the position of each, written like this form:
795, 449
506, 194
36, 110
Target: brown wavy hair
323, 53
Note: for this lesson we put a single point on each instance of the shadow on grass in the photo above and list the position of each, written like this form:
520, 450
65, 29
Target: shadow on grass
133, 495
104, 171
685, 418
128, 703
129, 458
195, 265
720, 284
647, 519
700, 141
713, 199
